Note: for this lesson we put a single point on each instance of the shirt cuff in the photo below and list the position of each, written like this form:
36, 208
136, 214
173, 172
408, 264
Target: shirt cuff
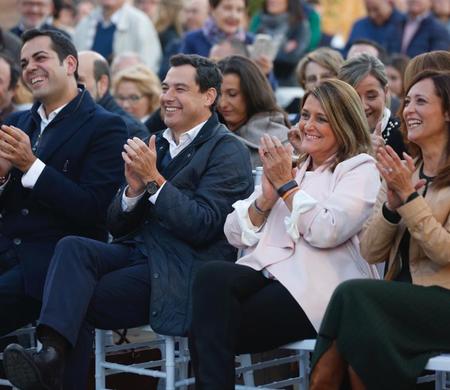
301, 203
250, 234
154, 197
129, 203
30, 178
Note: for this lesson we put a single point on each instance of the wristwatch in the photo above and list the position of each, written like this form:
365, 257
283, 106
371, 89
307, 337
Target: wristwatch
152, 187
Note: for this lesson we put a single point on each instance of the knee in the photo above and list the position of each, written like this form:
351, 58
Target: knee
69, 247
211, 277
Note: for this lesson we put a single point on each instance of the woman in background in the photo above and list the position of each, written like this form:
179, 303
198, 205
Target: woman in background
367, 75
137, 91
248, 106
285, 22
395, 71
225, 21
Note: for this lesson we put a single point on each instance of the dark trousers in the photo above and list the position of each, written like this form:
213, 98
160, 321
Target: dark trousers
93, 284
16, 307
238, 310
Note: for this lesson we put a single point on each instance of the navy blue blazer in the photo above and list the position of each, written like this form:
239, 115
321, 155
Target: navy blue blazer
431, 35
83, 171
184, 229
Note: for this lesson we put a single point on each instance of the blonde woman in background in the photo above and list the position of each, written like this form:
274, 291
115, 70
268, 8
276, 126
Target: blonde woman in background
137, 91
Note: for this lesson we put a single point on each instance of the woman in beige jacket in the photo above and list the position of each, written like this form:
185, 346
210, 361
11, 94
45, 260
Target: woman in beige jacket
383, 333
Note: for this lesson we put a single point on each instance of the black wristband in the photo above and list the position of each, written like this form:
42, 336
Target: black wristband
286, 187
411, 197
390, 216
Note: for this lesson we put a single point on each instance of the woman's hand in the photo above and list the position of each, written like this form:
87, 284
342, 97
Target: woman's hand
295, 138
397, 174
377, 139
277, 160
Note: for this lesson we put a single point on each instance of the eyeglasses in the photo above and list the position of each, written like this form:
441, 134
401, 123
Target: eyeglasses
132, 99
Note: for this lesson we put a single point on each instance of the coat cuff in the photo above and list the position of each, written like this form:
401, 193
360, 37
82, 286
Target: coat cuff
301, 203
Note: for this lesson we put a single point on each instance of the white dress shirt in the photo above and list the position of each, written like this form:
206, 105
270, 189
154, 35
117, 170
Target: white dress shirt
128, 203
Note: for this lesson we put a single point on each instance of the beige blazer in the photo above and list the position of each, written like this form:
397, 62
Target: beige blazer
327, 251
428, 221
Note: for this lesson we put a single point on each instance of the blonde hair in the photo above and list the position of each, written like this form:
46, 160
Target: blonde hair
169, 14
145, 80
324, 56
346, 117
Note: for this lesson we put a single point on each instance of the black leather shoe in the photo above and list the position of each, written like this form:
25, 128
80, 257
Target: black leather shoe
41, 370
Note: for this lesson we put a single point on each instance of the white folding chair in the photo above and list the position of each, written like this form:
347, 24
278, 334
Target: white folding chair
173, 364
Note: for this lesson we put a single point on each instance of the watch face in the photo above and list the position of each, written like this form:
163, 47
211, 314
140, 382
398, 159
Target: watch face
152, 187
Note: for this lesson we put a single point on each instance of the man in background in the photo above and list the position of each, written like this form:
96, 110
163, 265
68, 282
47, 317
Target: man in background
93, 72
9, 76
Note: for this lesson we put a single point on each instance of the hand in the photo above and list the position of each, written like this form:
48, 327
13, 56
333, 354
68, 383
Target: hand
269, 194
397, 174
15, 147
377, 139
295, 138
5, 167
140, 164
276, 159
265, 64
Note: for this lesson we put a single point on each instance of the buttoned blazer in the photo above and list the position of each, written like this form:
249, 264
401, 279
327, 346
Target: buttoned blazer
83, 171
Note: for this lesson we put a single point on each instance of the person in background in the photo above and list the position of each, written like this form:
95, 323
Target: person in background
93, 72
9, 76
319, 65
149, 7
314, 68
224, 22
34, 14
10, 44
248, 106
299, 230
169, 26
194, 14
125, 60
419, 31
64, 16
367, 75
116, 27
367, 46
395, 69
83, 9
285, 22
436, 60
378, 26
137, 91
403, 321
441, 9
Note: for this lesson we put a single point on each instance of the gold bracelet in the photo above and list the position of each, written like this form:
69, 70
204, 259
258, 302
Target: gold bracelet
288, 193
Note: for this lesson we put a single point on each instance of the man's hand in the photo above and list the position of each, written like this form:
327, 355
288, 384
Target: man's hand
15, 147
140, 164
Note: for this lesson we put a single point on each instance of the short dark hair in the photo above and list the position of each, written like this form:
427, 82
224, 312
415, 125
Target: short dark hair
101, 68
207, 72
62, 45
382, 54
14, 70
255, 88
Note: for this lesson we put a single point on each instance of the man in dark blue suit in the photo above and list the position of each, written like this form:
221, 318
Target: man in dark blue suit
60, 167
418, 31
168, 221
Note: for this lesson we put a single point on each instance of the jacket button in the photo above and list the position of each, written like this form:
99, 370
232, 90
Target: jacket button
154, 313
17, 241
156, 275
24, 212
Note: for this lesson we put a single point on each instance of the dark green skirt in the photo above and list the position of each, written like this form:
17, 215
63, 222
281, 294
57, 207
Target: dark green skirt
385, 330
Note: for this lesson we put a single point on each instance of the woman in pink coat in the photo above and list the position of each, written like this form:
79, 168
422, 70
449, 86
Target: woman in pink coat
299, 232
